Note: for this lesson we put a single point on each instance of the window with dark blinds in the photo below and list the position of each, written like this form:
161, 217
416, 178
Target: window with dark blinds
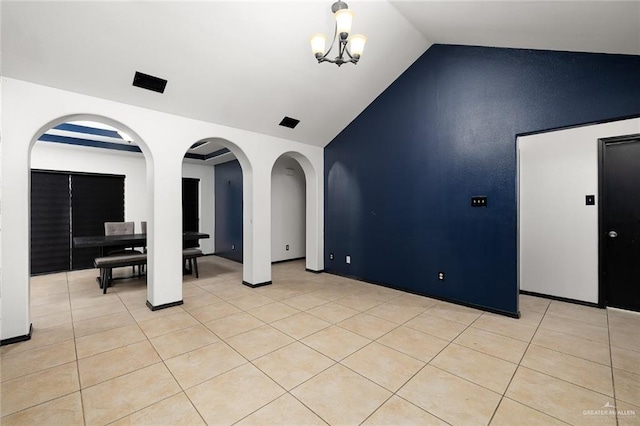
66, 205
50, 222
95, 199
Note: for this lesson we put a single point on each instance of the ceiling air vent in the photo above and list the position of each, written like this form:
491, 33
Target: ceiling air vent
289, 122
149, 82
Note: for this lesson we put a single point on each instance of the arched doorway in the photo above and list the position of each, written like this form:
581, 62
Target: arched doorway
222, 172
84, 170
296, 211
288, 216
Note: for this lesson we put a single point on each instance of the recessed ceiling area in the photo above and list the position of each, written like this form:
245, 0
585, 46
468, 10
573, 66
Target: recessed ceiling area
97, 135
247, 64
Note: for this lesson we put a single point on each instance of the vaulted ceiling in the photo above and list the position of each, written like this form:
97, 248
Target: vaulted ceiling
247, 64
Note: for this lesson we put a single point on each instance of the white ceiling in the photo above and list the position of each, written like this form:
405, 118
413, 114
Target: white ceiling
247, 64
578, 25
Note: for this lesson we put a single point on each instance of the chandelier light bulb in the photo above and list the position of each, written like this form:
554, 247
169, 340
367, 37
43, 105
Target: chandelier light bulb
344, 18
357, 42
318, 42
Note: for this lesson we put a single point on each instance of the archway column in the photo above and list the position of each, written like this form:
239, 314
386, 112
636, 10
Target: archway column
164, 229
16, 232
257, 225
314, 219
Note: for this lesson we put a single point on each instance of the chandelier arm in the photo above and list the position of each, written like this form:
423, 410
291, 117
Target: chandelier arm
335, 33
347, 51
343, 47
323, 59
352, 58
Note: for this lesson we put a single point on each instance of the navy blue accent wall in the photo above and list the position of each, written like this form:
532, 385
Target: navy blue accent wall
228, 210
399, 178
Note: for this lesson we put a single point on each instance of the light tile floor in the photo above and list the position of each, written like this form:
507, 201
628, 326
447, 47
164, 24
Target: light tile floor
312, 349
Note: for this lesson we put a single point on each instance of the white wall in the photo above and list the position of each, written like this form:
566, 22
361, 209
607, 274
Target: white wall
55, 156
30, 109
0, 185
287, 210
558, 233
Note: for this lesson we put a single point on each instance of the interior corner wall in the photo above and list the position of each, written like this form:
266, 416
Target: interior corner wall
399, 178
205, 174
288, 210
558, 232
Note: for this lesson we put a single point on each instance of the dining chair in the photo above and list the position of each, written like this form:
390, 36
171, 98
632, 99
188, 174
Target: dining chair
121, 228
143, 230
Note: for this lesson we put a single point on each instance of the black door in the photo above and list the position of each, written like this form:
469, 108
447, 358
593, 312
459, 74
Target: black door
620, 222
190, 204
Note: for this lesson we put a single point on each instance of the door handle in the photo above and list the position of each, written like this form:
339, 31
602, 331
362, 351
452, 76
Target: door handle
612, 234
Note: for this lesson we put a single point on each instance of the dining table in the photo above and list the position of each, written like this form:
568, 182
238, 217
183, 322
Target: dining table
131, 240
103, 242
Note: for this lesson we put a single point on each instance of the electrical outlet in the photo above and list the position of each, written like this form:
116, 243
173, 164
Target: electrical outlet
441, 276
330, 256
287, 247
348, 259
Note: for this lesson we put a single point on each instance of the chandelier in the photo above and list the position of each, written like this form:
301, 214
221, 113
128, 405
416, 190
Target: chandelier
351, 46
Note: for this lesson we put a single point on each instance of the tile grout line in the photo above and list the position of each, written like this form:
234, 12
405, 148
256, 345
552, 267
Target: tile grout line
540, 372
572, 355
334, 362
268, 353
75, 347
613, 379
165, 365
141, 368
434, 357
518, 366
428, 363
55, 366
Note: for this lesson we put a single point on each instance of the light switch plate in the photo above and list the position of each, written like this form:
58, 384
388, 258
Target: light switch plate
479, 201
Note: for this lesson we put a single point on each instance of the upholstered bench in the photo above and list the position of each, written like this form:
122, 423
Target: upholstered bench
191, 255
107, 263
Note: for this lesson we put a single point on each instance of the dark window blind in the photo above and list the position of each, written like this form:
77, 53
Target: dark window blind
190, 204
95, 199
50, 225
